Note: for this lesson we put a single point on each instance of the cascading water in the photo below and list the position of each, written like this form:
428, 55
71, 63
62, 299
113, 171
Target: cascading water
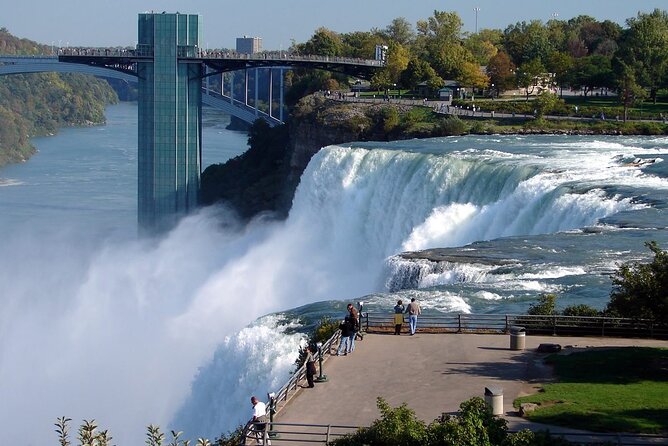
97, 324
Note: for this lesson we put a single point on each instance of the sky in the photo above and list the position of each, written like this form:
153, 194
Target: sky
114, 22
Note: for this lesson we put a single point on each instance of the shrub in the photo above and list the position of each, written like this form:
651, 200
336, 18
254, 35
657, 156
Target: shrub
396, 426
546, 305
452, 126
640, 290
581, 310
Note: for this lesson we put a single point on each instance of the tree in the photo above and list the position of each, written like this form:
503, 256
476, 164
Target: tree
529, 76
591, 72
323, 43
400, 31
629, 90
644, 47
525, 42
418, 71
397, 62
560, 64
472, 76
360, 44
640, 290
545, 103
439, 42
501, 72
483, 45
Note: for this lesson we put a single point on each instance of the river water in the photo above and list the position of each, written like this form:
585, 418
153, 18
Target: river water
180, 331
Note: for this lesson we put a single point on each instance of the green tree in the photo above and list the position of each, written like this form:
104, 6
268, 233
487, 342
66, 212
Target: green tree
592, 72
640, 290
645, 48
360, 44
629, 90
400, 31
484, 45
545, 103
525, 42
439, 42
559, 63
529, 76
324, 42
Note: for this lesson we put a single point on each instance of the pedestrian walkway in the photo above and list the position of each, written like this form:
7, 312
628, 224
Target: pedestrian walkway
432, 374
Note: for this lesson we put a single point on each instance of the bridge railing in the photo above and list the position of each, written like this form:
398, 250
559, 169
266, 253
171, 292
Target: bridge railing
533, 324
195, 52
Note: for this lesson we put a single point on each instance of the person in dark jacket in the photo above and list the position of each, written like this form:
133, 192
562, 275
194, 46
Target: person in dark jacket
398, 317
347, 327
310, 365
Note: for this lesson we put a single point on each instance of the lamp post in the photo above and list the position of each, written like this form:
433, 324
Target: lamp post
322, 378
477, 10
272, 410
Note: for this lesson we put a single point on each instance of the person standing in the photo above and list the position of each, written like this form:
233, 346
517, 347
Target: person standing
310, 365
355, 324
413, 310
398, 317
345, 337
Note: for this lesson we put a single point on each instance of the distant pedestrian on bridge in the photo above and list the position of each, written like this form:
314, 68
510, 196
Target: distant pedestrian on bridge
413, 310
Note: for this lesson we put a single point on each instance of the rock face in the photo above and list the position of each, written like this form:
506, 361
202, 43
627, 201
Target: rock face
264, 179
313, 126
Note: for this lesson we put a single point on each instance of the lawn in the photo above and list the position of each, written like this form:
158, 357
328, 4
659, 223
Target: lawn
614, 390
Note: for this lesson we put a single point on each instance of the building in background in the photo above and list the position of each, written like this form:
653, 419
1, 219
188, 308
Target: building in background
249, 45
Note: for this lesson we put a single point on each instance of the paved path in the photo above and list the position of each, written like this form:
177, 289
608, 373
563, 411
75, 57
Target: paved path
432, 373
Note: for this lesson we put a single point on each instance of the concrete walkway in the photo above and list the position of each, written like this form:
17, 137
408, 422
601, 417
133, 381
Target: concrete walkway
432, 373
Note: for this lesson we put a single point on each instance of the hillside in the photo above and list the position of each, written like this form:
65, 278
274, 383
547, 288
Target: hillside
39, 104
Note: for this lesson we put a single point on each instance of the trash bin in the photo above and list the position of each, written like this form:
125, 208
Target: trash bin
517, 337
494, 399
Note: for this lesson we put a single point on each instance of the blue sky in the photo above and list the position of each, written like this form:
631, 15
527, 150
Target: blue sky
114, 22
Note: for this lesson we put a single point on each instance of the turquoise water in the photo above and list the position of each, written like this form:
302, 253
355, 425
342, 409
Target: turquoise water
179, 331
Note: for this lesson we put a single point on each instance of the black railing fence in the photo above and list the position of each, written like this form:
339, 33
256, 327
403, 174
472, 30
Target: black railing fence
533, 324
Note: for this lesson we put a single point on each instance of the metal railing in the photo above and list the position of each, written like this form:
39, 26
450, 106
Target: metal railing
288, 390
297, 433
533, 324
307, 434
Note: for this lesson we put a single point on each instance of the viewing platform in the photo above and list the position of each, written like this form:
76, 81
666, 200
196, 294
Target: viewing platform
433, 373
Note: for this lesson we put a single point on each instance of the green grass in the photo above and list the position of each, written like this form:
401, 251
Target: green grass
616, 390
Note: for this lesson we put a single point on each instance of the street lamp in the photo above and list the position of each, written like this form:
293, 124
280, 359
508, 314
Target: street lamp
477, 10
322, 378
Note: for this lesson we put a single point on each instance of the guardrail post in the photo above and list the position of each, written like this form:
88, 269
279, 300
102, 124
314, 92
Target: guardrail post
329, 428
554, 325
459, 323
